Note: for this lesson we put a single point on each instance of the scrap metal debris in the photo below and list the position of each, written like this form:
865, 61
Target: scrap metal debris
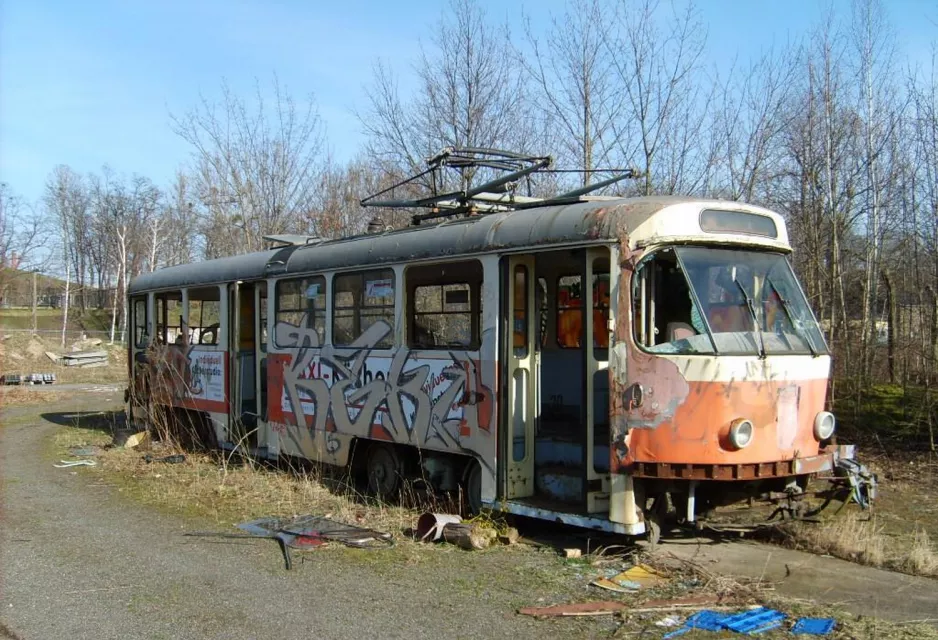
430, 525
320, 527
281, 540
305, 532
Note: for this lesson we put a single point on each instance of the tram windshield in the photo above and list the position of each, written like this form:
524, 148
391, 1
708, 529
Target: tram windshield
734, 302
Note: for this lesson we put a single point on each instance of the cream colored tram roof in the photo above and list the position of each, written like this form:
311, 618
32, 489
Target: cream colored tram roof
592, 221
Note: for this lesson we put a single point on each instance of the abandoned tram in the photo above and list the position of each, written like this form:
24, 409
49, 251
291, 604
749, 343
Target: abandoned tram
591, 360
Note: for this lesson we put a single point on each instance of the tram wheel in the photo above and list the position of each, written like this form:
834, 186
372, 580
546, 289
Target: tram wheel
472, 487
384, 470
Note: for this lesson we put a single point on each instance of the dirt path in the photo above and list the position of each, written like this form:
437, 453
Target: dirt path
79, 560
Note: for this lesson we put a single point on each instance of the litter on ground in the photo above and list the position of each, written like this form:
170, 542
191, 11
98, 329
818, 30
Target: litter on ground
814, 626
638, 577
575, 609
64, 464
305, 532
751, 622
173, 459
323, 528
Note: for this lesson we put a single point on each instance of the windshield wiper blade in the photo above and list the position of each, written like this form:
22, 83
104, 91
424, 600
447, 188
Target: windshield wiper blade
752, 312
806, 336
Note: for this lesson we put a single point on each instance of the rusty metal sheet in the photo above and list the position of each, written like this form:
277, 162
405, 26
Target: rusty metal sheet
580, 223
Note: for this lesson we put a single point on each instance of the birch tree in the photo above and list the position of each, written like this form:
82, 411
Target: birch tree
66, 200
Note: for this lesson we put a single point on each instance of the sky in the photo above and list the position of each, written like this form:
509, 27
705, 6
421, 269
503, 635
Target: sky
96, 82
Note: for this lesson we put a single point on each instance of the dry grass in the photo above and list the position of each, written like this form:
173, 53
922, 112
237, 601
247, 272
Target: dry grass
228, 489
23, 396
862, 540
921, 558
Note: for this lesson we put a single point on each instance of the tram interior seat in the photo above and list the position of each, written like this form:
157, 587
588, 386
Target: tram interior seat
679, 331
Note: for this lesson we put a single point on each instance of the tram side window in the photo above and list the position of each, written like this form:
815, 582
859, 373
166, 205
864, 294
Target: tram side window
204, 316
169, 324
361, 300
444, 306
301, 302
140, 322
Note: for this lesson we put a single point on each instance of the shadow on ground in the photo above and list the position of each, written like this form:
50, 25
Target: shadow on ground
104, 421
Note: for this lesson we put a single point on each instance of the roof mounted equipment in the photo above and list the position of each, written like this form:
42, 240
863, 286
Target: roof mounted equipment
504, 169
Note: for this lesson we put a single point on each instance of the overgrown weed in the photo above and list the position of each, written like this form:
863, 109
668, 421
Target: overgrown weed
862, 540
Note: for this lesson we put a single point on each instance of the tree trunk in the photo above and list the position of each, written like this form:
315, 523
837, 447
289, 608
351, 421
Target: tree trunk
123, 294
933, 333
68, 278
35, 325
467, 536
893, 325
114, 308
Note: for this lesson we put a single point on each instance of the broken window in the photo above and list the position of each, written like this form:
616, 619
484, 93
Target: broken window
444, 306
140, 322
301, 302
361, 300
169, 318
204, 316
702, 300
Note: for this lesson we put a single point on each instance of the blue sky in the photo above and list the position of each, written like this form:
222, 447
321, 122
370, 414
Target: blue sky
94, 82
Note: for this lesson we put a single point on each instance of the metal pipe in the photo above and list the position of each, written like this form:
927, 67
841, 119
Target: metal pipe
691, 500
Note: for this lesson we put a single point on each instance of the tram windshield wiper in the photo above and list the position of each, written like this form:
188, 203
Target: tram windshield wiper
752, 312
786, 307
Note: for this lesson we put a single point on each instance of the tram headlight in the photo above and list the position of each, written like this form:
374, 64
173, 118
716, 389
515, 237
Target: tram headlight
741, 432
824, 425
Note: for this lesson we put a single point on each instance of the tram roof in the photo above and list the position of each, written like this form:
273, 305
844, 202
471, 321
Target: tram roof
592, 221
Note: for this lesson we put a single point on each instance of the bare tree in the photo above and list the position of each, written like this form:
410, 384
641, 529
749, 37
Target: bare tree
572, 77
178, 224
66, 199
256, 165
23, 236
873, 44
654, 62
751, 116
469, 95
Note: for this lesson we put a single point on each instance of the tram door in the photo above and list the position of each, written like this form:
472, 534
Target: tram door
522, 370
243, 394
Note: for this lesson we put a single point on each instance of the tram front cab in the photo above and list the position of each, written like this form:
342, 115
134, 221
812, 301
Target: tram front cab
724, 388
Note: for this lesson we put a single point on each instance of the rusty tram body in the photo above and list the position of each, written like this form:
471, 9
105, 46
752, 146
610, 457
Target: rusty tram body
597, 361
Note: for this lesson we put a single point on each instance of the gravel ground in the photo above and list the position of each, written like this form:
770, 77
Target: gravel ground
79, 560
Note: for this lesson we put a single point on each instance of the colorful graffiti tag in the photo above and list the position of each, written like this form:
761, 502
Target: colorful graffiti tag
406, 396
